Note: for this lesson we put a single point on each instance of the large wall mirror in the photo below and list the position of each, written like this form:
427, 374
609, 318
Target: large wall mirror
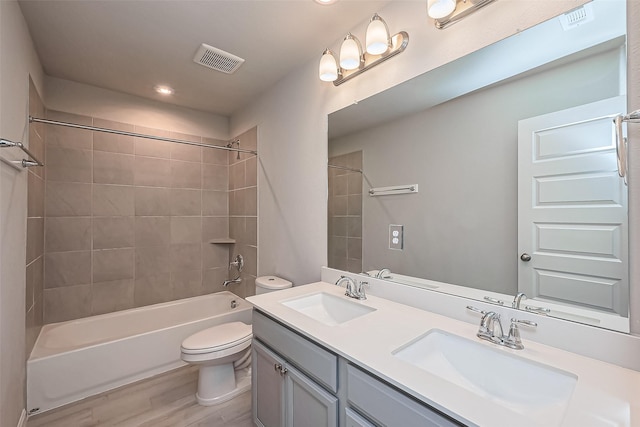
513, 155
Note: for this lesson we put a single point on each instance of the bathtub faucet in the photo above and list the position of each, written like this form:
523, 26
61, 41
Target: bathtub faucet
231, 282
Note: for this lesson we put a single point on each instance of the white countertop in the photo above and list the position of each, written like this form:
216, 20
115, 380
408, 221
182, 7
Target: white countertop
605, 394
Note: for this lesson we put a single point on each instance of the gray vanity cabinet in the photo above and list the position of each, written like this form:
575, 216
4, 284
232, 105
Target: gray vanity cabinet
293, 385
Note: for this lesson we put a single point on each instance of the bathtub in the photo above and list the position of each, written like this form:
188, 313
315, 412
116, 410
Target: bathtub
79, 358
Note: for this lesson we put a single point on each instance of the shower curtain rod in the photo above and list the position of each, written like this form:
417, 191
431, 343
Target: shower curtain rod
344, 168
137, 135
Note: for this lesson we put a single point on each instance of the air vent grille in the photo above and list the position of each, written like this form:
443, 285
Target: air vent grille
576, 17
217, 59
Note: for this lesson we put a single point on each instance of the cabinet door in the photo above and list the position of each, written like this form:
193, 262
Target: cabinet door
308, 405
267, 387
356, 420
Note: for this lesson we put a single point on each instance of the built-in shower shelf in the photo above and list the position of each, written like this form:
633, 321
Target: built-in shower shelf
222, 241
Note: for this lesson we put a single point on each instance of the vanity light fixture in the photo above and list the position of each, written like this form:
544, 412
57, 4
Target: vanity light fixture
448, 12
379, 47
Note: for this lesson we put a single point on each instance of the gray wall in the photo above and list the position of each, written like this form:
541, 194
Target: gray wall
461, 227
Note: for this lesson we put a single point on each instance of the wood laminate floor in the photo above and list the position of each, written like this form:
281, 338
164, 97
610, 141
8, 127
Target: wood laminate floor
166, 400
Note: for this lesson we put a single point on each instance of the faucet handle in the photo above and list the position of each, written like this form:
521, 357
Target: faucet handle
513, 339
476, 310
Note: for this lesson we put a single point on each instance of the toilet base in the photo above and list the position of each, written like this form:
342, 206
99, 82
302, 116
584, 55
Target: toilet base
228, 385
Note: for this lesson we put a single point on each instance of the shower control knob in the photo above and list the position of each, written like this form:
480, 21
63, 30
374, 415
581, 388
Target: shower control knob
525, 257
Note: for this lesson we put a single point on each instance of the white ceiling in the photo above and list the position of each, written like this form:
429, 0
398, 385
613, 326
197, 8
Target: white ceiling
131, 46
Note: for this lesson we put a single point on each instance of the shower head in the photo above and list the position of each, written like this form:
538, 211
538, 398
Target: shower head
230, 145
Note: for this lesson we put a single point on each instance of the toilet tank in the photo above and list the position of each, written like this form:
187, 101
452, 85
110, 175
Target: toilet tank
266, 284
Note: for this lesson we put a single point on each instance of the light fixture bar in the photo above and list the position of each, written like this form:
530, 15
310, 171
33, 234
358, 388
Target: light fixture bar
467, 9
399, 43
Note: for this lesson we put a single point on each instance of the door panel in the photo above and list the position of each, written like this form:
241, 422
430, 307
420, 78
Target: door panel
267, 387
308, 404
572, 208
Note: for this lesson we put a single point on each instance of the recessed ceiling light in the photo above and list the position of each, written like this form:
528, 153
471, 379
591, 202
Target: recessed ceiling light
325, 2
163, 90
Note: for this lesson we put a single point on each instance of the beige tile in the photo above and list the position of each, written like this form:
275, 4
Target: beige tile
152, 260
213, 278
338, 247
33, 281
152, 172
237, 228
152, 201
191, 153
107, 297
113, 168
186, 202
68, 165
67, 269
354, 183
67, 199
251, 171
186, 229
186, 283
251, 201
153, 231
354, 248
212, 155
215, 203
251, 231
354, 265
354, 225
113, 142
340, 185
113, 232
354, 205
215, 177
340, 205
67, 234
249, 139
35, 192
35, 239
113, 264
186, 174
186, 257
72, 302
150, 147
215, 255
214, 228
152, 289
236, 176
61, 136
113, 200
37, 147
237, 202
340, 226
250, 254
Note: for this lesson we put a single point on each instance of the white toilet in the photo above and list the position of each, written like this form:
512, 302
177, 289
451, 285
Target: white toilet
224, 353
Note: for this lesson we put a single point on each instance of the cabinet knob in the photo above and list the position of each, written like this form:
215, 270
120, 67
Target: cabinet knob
280, 369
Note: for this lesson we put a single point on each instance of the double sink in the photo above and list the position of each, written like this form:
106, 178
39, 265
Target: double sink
500, 375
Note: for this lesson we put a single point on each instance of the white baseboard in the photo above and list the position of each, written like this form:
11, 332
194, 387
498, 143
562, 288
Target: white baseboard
22, 422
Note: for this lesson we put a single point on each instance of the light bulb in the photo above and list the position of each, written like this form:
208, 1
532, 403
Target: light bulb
377, 38
350, 53
328, 68
438, 9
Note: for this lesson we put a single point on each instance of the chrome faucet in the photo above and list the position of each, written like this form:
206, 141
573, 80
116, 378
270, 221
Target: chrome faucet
517, 299
353, 290
384, 273
491, 329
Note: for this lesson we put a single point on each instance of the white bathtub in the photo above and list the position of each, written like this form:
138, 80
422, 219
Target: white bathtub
79, 358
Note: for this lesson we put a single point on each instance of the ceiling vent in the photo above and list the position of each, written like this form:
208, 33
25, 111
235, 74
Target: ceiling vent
217, 59
576, 17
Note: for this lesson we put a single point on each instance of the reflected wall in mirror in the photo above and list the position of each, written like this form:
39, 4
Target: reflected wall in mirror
454, 131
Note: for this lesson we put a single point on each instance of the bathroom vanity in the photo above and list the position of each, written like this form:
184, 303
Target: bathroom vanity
321, 358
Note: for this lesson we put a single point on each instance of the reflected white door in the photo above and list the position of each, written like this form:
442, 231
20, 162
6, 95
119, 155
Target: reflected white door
572, 209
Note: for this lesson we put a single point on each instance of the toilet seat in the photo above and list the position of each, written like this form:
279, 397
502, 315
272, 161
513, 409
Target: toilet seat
233, 336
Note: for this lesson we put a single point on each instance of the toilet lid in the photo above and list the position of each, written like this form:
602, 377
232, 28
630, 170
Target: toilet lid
217, 338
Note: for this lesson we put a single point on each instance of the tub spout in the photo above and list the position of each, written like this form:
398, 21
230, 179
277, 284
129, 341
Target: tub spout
231, 282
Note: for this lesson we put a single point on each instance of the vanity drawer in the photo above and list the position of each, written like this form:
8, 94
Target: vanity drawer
386, 406
315, 361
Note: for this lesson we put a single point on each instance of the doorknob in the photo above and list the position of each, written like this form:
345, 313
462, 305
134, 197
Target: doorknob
525, 257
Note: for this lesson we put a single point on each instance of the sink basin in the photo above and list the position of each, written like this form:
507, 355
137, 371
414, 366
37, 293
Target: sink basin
327, 308
526, 387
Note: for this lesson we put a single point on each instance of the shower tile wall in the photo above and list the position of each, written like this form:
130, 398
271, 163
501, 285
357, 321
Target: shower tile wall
345, 213
243, 210
35, 225
129, 220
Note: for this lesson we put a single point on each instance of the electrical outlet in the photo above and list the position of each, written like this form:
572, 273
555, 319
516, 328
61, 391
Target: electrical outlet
396, 237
